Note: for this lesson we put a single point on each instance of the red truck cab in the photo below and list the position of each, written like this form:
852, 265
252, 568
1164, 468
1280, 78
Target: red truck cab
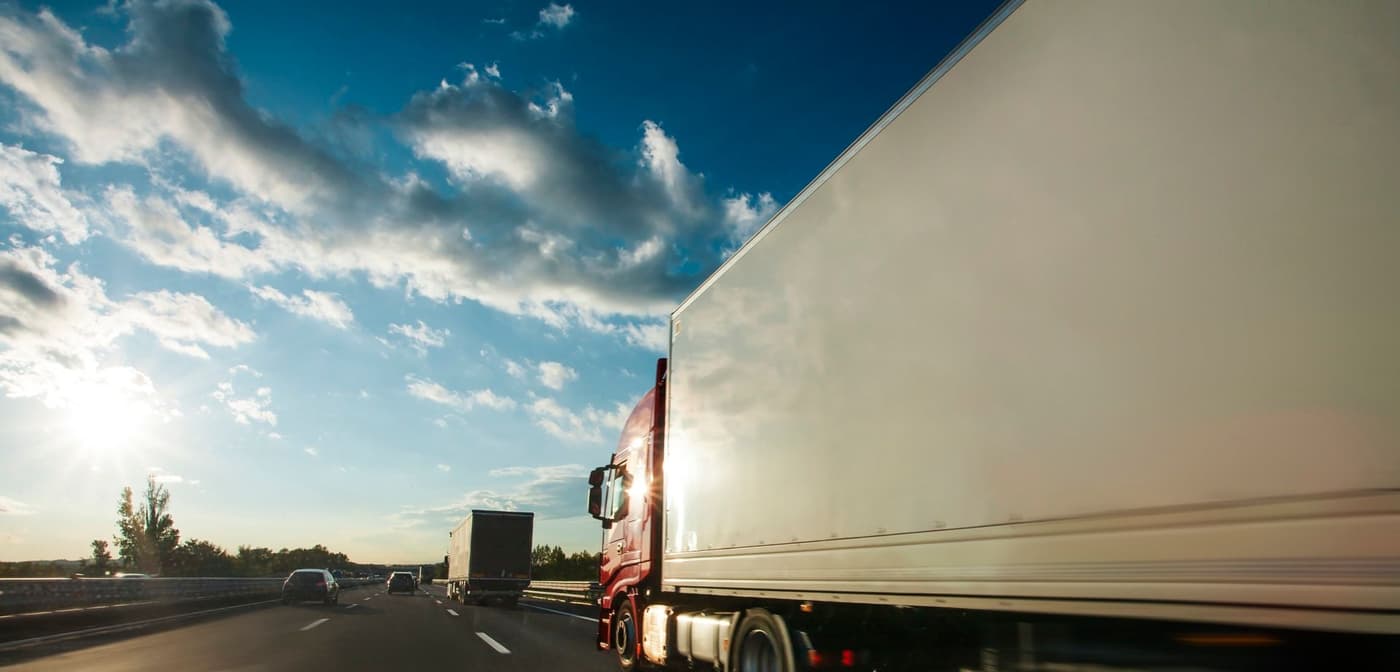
626, 495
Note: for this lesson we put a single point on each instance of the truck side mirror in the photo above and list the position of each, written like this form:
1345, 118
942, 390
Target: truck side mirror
595, 492
595, 501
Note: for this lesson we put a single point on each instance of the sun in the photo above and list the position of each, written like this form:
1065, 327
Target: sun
104, 418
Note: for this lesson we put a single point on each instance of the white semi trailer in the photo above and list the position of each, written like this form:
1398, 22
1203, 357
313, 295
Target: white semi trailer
1085, 355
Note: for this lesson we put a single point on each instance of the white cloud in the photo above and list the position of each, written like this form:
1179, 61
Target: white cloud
662, 156
364, 394
496, 21
650, 335
470, 77
154, 228
163, 476
553, 17
30, 191
556, 15
14, 507
421, 336
554, 375
587, 426
57, 328
514, 369
744, 214
181, 321
540, 219
114, 106
274, 436
324, 306
444, 468
440, 423
311, 451
433, 391
42, 307
247, 410
549, 491
493, 70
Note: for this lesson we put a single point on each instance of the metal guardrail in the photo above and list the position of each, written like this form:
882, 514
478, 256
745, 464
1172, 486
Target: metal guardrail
20, 596
571, 592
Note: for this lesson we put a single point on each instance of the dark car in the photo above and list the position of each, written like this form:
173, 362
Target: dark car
401, 582
310, 584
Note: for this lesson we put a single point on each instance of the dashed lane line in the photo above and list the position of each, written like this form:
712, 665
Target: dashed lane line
438, 601
314, 624
453, 612
352, 606
493, 643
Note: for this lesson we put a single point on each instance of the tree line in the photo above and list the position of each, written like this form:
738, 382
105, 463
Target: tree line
549, 563
147, 541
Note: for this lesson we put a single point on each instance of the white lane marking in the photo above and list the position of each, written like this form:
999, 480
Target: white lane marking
314, 624
494, 644
453, 612
561, 613
352, 606
438, 601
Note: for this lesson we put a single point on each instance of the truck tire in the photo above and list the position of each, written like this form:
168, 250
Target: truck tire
761, 644
624, 638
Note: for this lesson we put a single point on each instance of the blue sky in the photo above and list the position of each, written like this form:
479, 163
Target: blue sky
338, 274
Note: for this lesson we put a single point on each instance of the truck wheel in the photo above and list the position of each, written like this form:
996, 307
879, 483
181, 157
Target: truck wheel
761, 644
624, 637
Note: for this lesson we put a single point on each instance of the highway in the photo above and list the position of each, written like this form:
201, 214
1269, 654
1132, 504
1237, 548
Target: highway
368, 630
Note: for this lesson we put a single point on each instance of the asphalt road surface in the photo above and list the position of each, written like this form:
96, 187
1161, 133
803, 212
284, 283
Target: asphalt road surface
369, 630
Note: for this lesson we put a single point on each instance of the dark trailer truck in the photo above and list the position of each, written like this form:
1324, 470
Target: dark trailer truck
488, 557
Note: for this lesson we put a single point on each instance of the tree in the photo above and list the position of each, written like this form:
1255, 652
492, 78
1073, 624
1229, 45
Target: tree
582, 566
101, 557
146, 535
197, 557
550, 563
252, 561
545, 561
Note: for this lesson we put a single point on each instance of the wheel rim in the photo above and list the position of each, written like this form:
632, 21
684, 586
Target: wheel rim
759, 652
623, 637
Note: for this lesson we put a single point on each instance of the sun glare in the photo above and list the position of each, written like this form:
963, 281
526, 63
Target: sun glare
104, 418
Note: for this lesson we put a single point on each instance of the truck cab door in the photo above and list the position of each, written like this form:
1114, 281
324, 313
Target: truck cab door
616, 537
633, 523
